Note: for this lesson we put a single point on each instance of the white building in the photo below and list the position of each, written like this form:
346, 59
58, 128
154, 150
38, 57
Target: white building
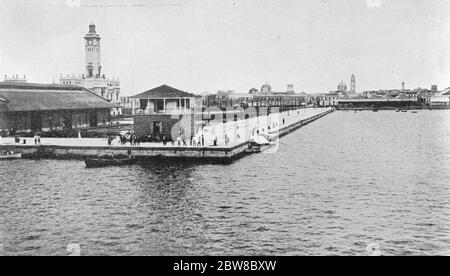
441, 99
15, 79
93, 79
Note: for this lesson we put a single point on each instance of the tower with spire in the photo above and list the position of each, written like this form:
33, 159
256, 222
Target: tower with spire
92, 50
353, 84
93, 77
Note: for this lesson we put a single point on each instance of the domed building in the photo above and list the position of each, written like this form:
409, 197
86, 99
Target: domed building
342, 87
266, 89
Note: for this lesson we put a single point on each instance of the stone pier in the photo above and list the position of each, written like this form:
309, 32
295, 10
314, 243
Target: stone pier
273, 125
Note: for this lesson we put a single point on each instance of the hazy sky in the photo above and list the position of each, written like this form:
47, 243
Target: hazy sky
200, 45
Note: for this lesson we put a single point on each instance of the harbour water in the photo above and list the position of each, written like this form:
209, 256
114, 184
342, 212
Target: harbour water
340, 185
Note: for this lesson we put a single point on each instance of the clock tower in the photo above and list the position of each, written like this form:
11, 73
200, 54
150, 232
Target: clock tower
92, 47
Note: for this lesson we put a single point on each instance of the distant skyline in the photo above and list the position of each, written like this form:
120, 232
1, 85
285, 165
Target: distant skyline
200, 46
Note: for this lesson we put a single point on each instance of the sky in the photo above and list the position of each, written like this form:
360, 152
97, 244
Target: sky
211, 45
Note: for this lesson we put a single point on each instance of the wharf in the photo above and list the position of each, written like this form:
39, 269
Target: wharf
75, 148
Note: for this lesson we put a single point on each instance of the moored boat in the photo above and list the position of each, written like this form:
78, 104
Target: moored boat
102, 161
10, 156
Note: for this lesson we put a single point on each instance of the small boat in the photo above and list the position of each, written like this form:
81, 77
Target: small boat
105, 161
397, 110
375, 110
404, 110
414, 111
10, 156
259, 143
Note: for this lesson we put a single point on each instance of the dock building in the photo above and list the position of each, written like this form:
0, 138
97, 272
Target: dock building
163, 107
29, 108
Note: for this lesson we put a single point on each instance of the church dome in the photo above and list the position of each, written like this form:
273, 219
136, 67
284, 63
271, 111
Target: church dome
342, 87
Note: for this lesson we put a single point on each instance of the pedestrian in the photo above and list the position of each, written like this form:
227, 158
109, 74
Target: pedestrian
79, 135
203, 140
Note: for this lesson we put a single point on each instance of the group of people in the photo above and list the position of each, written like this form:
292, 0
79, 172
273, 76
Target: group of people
133, 140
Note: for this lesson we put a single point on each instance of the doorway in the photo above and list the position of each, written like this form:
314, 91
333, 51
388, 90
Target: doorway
36, 122
157, 128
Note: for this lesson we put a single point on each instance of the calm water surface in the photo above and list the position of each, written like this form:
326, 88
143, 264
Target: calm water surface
336, 186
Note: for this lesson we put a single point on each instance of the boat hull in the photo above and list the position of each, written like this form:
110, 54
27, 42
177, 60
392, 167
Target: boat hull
10, 157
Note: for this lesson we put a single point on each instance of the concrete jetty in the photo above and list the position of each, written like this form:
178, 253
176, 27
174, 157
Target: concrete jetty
273, 125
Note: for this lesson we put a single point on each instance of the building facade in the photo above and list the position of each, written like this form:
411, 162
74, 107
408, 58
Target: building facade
167, 111
257, 98
15, 79
29, 108
93, 77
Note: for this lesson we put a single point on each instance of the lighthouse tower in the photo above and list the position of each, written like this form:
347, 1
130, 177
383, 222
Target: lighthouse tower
92, 48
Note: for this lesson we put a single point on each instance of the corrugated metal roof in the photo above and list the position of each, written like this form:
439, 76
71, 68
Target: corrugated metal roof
31, 97
163, 91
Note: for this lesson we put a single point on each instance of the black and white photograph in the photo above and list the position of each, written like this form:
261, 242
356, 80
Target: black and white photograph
223, 129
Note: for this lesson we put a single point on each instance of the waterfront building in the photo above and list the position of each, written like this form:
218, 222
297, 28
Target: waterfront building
130, 105
434, 88
266, 97
93, 77
381, 99
326, 100
29, 107
15, 79
441, 99
161, 108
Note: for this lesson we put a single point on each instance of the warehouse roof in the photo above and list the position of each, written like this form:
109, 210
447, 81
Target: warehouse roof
41, 97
